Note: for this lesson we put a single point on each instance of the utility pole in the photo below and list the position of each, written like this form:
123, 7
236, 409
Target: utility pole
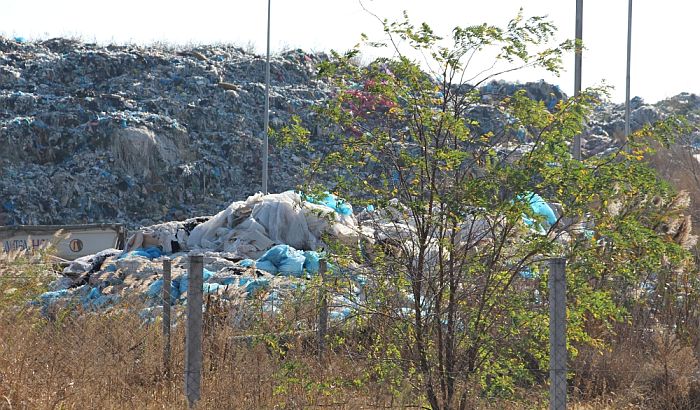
576, 150
267, 105
629, 59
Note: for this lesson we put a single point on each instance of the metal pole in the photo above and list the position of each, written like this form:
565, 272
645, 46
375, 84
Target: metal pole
322, 312
577, 70
629, 59
193, 342
557, 334
267, 105
167, 269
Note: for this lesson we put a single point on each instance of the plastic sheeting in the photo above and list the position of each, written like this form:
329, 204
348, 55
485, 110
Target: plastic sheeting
540, 208
183, 281
249, 228
89, 263
150, 253
284, 260
331, 201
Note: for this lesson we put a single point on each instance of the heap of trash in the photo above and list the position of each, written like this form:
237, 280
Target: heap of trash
266, 242
140, 134
146, 134
266, 246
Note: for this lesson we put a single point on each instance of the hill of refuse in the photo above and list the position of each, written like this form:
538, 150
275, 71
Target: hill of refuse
139, 134
147, 134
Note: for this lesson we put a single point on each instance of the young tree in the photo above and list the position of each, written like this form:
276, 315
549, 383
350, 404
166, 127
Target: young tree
458, 245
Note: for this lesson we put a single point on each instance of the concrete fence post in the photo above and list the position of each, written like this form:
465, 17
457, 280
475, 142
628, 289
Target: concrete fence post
167, 273
557, 334
322, 312
193, 343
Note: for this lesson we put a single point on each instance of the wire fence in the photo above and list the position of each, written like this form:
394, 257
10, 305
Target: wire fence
159, 341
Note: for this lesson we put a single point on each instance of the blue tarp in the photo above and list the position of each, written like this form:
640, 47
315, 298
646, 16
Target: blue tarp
150, 253
183, 281
286, 261
539, 207
339, 205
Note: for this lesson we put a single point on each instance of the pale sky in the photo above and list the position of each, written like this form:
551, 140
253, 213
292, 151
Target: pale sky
664, 57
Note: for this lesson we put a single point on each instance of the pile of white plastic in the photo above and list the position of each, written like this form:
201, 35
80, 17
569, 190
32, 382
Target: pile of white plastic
246, 229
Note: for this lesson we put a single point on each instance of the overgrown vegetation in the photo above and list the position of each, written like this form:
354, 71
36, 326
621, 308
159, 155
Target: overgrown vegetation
457, 305
76, 359
454, 312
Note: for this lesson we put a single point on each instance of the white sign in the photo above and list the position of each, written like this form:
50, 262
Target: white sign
73, 242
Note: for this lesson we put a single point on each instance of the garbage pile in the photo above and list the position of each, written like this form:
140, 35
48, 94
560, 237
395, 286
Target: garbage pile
266, 242
147, 134
137, 134
266, 245
604, 130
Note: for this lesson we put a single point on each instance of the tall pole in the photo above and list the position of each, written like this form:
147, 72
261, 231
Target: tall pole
267, 105
629, 59
577, 70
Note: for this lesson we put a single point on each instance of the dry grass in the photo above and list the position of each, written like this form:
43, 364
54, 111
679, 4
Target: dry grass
643, 370
114, 360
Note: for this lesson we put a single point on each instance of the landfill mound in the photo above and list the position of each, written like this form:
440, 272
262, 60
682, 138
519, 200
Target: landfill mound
139, 135
142, 135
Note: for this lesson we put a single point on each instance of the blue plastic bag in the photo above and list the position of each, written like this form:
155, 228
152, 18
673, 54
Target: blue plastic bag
211, 287
49, 297
312, 262
246, 263
155, 290
183, 281
267, 266
541, 207
282, 259
150, 253
339, 205
252, 284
